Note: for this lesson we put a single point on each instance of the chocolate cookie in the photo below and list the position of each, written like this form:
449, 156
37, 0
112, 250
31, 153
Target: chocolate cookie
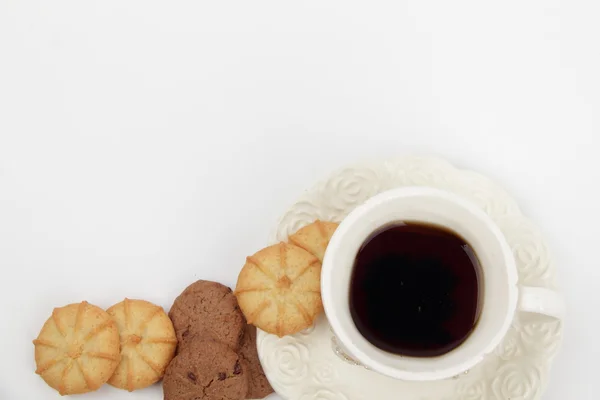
207, 310
258, 385
206, 370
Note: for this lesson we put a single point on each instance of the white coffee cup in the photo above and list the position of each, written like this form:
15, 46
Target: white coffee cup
502, 296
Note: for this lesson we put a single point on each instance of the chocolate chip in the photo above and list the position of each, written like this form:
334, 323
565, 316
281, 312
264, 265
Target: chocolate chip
237, 368
192, 376
222, 376
185, 333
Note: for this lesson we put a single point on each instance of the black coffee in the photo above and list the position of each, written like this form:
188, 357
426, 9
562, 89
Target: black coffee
415, 290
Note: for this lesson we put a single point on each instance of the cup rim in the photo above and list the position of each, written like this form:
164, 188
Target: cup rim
327, 278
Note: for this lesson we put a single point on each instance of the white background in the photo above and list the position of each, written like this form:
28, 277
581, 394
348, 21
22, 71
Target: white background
145, 144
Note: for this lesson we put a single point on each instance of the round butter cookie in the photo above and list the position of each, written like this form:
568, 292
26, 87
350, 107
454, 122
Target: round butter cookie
314, 237
279, 289
207, 310
148, 343
206, 370
77, 349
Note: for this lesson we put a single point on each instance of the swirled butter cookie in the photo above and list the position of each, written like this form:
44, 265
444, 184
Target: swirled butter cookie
314, 237
148, 343
278, 289
77, 349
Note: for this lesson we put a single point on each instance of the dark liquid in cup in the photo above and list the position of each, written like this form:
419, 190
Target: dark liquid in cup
416, 290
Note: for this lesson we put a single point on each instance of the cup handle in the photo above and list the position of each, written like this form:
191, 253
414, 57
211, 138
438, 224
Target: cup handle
541, 301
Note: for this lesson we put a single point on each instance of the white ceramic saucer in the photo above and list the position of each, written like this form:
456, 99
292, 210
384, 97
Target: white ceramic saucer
306, 367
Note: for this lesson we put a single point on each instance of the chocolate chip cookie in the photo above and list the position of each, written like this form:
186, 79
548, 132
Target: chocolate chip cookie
206, 370
258, 385
207, 310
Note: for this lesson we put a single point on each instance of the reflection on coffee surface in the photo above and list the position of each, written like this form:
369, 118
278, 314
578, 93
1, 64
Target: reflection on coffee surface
416, 289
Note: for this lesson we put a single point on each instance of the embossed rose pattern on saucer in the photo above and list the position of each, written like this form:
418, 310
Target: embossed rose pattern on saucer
304, 366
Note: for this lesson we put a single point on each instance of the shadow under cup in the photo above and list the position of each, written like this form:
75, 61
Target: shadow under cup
498, 300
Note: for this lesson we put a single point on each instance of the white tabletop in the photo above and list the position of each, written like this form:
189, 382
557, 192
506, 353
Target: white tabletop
144, 145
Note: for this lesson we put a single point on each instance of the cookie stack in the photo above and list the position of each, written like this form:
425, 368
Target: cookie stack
81, 347
216, 355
